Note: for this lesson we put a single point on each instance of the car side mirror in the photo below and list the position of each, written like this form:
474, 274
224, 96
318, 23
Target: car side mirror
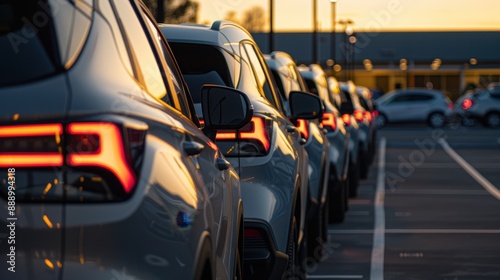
304, 105
225, 107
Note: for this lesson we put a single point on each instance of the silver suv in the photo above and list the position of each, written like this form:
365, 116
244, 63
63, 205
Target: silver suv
482, 105
414, 105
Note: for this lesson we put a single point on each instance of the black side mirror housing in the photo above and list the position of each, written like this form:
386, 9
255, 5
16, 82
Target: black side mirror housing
225, 107
304, 105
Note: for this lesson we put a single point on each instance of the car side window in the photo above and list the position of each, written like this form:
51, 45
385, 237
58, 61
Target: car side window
147, 71
262, 79
173, 75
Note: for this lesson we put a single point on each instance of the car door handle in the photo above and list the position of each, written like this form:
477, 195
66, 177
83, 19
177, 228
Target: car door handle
291, 129
222, 164
192, 148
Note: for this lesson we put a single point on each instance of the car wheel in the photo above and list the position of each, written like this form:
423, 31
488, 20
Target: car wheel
363, 167
337, 207
293, 258
436, 120
353, 179
381, 120
238, 266
493, 119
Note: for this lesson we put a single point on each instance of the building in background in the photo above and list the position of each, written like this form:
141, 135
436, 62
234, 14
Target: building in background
448, 61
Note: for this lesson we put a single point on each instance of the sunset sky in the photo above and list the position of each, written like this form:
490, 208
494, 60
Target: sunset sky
369, 15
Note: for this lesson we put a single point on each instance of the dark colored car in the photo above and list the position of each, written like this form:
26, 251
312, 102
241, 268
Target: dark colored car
370, 116
268, 154
351, 105
288, 79
104, 168
341, 178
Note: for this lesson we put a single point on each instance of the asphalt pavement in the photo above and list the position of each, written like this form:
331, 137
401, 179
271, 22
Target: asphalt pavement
430, 209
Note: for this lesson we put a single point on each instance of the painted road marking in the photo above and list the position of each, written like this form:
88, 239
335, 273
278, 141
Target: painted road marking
416, 231
335, 277
437, 192
469, 169
377, 263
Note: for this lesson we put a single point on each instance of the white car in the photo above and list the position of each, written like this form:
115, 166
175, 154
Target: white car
414, 106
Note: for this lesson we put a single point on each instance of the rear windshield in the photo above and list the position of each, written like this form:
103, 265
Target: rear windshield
27, 45
201, 64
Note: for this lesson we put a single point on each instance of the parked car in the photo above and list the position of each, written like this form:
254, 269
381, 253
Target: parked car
414, 105
340, 176
113, 176
288, 79
370, 116
481, 105
268, 154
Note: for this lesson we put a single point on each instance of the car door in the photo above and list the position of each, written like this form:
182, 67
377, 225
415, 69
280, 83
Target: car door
398, 109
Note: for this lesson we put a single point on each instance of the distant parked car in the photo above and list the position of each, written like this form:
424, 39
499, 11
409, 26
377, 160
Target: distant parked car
342, 179
370, 115
351, 106
482, 105
288, 79
414, 105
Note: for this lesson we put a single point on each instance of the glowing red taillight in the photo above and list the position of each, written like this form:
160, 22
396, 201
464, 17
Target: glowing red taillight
252, 233
467, 104
368, 116
303, 128
102, 146
374, 114
18, 142
346, 118
329, 121
88, 144
358, 115
254, 138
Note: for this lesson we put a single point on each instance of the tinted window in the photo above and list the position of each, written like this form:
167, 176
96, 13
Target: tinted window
29, 51
106, 9
421, 97
262, 79
148, 72
201, 64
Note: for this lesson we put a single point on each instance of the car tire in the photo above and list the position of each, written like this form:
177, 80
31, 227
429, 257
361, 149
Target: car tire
292, 269
318, 225
493, 119
364, 165
353, 180
203, 268
381, 120
337, 204
436, 120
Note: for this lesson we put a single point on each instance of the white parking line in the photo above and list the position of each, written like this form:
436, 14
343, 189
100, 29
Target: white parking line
418, 231
377, 263
472, 172
335, 277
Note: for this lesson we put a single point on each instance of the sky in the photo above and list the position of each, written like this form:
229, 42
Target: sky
369, 15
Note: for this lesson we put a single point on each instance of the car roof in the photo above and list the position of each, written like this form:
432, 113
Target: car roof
222, 33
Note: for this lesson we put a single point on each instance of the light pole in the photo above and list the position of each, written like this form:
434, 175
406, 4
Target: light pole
315, 31
333, 39
271, 26
346, 46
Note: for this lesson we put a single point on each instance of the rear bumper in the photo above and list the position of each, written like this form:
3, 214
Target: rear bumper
261, 258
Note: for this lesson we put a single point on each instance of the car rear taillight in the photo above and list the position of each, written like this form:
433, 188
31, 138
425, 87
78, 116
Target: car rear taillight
368, 116
104, 157
374, 114
346, 118
303, 128
329, 121
252, 233
358, 115
467, 104
254, 139
35, 145
100, 145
